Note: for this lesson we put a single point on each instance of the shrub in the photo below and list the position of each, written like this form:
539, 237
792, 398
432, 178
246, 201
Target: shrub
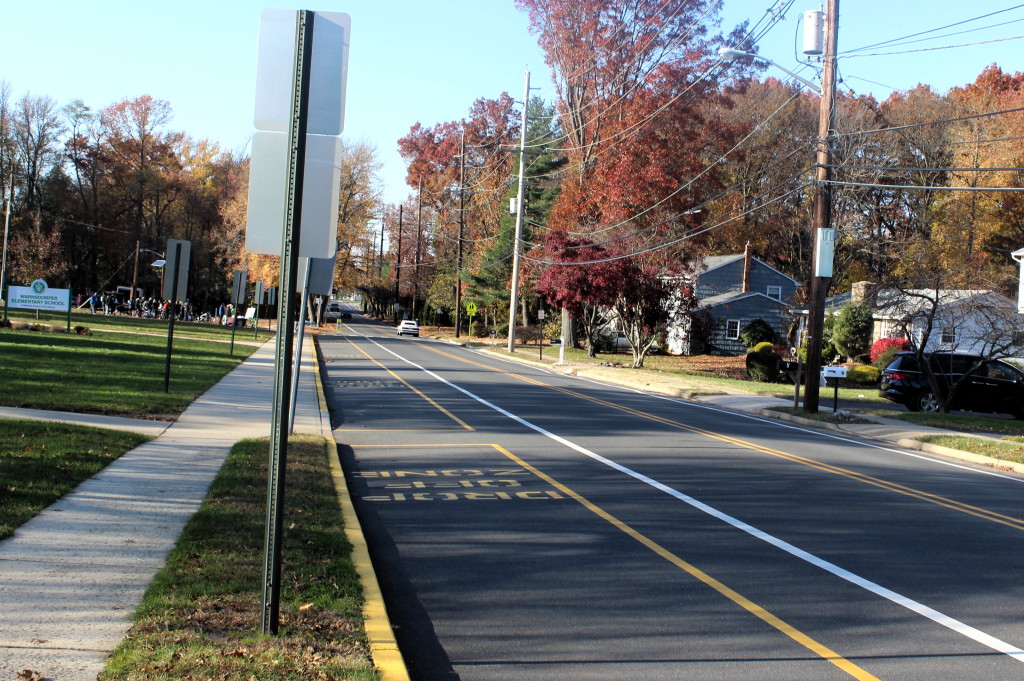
763, 366
880, 346
762, 347
863, 374
851, 333
553, 327
757, 331
886, 358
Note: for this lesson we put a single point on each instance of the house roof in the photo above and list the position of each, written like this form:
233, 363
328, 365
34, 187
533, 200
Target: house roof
733, 296
896, 303
713, 262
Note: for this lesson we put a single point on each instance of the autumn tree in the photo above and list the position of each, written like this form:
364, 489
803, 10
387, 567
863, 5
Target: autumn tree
764, 200
460, 191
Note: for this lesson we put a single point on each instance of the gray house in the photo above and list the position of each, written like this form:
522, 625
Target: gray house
734, 290
965, 320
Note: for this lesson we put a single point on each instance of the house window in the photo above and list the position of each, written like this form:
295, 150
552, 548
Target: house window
775, 292
948, 335
732, 329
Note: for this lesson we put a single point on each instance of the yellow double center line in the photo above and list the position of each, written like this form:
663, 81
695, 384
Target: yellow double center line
1009, 521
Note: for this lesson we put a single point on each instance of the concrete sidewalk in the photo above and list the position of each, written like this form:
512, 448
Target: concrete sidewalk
71, 577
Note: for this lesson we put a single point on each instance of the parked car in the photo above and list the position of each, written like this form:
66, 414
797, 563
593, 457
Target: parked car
997, 386
408, 327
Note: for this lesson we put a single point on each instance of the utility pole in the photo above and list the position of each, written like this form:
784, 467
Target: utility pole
416, 258
398, 260
7, 227
135, 274
458, 247
520, 210
824, 235
380, 255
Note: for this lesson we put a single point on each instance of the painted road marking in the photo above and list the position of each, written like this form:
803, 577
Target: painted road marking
437, 406
753, 608
761, 613
934, 615
945, 502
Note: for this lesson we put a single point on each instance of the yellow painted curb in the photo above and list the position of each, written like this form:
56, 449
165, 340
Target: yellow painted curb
383, 647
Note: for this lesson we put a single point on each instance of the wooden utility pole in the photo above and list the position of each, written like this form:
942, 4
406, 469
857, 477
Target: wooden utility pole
458, 247
517, 247
824, 236
416, 258
398, 260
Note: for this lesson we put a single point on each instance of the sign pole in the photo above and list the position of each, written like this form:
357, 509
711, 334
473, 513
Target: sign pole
271, 604
297, 364
173, 310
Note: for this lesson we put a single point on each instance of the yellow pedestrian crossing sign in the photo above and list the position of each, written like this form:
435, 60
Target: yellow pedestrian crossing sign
471, 308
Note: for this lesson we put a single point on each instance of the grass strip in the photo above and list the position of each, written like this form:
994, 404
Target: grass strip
200, 617
40, 462
58, 320
1004, 450
957, 422
109, 373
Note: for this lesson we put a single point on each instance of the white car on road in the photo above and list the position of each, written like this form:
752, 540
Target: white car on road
409, 327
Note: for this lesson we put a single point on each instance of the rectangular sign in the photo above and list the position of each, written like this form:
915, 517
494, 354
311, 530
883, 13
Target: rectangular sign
39, 297
268, 189
321, 275
328, 71
239, 282
181, 265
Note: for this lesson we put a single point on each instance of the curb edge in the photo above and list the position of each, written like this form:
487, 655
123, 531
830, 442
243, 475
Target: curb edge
387, 658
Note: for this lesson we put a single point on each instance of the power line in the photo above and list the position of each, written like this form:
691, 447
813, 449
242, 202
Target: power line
932, 188
937, 122
931, 30
697, 231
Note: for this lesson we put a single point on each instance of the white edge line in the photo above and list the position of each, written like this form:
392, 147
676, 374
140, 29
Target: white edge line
959, 627
781, 424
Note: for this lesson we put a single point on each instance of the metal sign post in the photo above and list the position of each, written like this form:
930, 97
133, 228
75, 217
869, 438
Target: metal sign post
294, 174
238, 284
271, 604
172, 310
260, 286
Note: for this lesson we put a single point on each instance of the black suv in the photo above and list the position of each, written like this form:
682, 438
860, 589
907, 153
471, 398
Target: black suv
997, 386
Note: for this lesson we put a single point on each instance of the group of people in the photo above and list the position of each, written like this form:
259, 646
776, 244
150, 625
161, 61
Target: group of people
149, 308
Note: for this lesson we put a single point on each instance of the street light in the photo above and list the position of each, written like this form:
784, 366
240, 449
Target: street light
730, 53
135, 268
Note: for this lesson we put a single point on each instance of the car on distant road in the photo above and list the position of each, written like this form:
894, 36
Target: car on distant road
409, 327
334, 311
996, 386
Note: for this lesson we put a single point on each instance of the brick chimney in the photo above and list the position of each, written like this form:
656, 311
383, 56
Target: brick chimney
864, 292
746, 268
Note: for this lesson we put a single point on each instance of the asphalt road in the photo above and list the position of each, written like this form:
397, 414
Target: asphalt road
529, 525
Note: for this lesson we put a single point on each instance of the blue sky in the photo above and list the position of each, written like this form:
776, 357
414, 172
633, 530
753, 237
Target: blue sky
413, 60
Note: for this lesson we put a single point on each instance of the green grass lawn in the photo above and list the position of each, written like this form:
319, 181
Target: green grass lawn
200, 618
41, 462
956, 421
109, 373
100, 322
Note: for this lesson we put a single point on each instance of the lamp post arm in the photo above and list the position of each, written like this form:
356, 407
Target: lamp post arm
728, 53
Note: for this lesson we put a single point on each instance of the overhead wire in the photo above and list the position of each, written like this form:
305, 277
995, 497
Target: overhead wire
931, 30
706, 227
